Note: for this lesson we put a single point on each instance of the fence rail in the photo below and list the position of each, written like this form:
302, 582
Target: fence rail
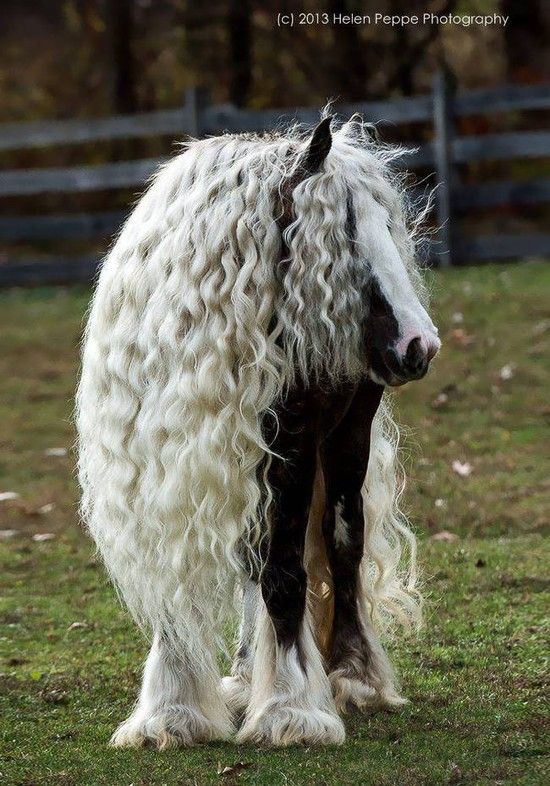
197, 118
128, 174
66, 225
20, 136
77, 179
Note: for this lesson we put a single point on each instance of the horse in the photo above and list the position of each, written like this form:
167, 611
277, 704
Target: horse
237, 451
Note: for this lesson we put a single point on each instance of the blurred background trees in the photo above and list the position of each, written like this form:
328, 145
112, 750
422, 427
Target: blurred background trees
65, 58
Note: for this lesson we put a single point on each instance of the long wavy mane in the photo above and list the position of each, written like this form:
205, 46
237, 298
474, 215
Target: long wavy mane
201, 317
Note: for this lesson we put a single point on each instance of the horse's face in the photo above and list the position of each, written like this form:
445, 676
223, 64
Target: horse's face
400, 337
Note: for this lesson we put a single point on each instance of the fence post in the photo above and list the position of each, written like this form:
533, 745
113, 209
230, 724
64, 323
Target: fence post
443, 90
195, 100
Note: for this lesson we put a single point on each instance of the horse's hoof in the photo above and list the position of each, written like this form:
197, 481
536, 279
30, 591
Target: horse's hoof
168, 727
355, 692
279, 726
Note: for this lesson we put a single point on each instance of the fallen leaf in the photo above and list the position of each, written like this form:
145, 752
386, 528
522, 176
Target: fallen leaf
455, 774
444, 536
541, 327
234, 769
70, 734
462, 338
6, 534
75, 625
450, 391
6, 496
506, 372
57, 452
439, 400
462, 468
54, 696
44, 509
40, 537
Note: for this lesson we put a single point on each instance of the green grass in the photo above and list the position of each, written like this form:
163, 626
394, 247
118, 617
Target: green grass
474, 676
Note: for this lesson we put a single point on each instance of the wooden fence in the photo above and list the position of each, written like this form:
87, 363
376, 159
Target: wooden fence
197, 118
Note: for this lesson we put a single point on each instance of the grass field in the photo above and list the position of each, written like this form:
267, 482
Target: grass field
70, 658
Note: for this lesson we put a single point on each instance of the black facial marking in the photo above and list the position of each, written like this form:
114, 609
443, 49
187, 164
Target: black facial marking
380, 332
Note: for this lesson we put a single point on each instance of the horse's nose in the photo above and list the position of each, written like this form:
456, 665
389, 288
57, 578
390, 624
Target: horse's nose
418, 354
415, 361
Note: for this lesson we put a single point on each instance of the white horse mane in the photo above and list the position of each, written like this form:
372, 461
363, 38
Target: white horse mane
197, 326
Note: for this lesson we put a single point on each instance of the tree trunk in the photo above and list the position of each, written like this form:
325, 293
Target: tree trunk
240, 51
121, 19
525, 36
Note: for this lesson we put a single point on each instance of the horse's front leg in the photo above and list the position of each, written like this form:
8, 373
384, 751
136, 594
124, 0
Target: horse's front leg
179, 702
290, 700
360, 672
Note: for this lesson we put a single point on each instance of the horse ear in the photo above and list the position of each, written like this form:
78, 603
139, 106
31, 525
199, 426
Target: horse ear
318, 148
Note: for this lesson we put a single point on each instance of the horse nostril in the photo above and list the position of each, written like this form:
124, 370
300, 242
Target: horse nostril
415, 357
